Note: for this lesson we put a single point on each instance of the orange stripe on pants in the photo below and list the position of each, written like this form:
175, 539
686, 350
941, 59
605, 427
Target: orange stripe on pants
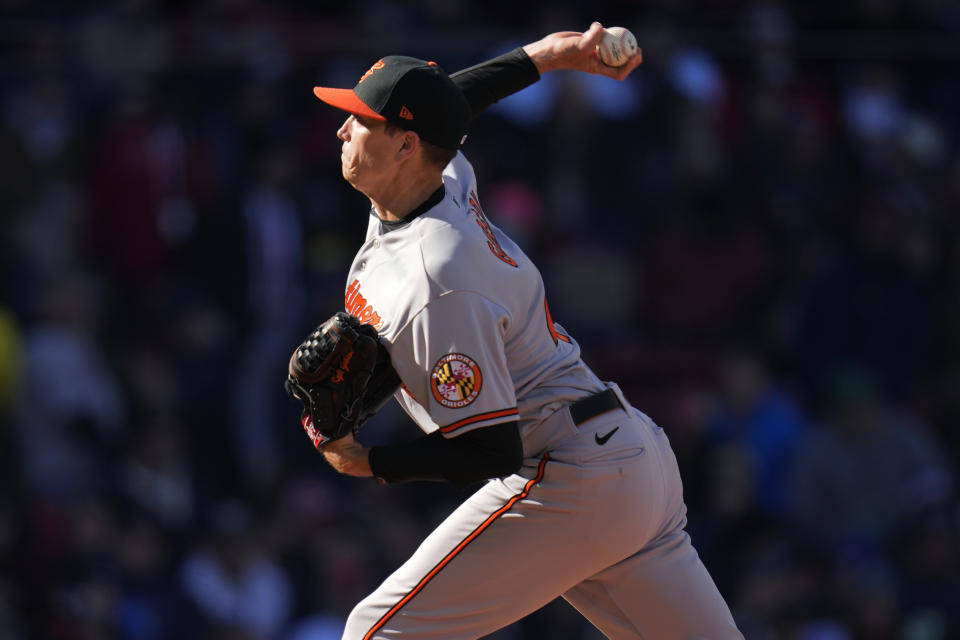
460, 547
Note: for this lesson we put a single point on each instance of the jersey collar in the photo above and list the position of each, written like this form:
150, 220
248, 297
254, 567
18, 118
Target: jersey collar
435, 198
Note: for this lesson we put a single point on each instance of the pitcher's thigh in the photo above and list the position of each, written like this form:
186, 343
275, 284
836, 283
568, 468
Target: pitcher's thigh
503, 554
660, 593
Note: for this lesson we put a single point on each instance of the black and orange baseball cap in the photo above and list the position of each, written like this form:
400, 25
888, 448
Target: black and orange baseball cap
413, 94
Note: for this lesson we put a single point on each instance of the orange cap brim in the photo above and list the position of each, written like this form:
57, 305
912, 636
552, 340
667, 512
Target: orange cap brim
347, 100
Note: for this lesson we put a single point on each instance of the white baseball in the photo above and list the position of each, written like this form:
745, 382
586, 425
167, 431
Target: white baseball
618, 46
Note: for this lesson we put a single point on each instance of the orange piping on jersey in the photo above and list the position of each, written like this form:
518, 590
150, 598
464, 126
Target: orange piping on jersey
479, 418
551, 328
460, 547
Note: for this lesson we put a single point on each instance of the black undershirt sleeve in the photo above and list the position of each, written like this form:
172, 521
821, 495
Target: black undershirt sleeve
494, 80
488, 452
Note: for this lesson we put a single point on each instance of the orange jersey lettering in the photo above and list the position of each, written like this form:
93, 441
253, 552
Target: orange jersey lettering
556, 335
487, 231
356, 305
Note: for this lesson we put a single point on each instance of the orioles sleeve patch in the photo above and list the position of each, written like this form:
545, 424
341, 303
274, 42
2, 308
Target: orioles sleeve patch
455, 381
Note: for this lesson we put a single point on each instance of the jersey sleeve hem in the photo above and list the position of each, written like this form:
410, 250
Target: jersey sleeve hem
480, 420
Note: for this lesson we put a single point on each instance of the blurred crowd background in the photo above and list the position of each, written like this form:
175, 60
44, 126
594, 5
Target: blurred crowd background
756, 235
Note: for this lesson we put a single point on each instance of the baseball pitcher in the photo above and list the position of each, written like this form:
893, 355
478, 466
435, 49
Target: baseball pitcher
446, 314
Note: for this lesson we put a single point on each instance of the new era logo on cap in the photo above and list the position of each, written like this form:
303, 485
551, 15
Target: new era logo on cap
397, 87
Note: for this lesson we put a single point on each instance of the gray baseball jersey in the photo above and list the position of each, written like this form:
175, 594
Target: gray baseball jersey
596, 512
463, 313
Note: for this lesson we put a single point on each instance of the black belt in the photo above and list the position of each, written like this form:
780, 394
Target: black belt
592, 406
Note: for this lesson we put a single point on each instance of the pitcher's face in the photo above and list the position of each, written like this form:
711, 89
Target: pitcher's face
367, 153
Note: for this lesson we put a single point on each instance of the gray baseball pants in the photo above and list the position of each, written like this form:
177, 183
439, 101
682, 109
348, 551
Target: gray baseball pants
600, 524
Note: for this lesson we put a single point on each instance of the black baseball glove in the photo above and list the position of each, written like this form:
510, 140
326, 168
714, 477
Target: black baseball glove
342, 375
